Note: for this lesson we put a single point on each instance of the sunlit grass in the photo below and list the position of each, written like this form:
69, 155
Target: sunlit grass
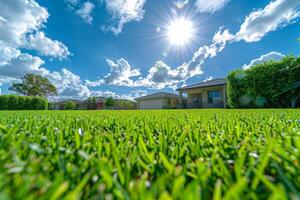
169, 154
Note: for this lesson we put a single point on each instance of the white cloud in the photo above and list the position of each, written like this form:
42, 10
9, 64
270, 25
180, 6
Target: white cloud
18, 19
219, 42
181, 3
68, 84
130, 96
46, 46
276, 14
222, 37
138, 93
7, 54
125, 11
21, 18
161, 75
210, 6
120, 74
21, 65
275, 56
85, 12
208, 79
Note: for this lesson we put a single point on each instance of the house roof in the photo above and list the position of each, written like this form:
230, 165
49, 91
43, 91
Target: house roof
211, 83
158, 95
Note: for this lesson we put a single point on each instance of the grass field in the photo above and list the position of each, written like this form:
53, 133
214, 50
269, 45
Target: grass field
169, 154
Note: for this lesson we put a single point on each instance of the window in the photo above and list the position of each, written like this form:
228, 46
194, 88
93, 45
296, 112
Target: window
213, 96
196, 98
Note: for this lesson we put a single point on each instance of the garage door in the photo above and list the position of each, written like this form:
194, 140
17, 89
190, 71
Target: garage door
151, 104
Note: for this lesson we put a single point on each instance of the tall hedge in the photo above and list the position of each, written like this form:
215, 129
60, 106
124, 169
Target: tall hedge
14, 102
257, 86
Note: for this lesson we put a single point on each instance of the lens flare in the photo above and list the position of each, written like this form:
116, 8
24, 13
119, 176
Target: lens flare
180, 31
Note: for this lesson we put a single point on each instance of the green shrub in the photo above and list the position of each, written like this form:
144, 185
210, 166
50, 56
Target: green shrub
69, 105
39, 103
4, 102
28, 105
257, 87
14, 102
109, 102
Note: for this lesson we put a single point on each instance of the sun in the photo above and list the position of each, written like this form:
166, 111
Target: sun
180, 31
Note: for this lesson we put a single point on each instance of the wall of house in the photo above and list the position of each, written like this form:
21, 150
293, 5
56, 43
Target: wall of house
204, 92
151, 104
157, 103
99, 105
174, 103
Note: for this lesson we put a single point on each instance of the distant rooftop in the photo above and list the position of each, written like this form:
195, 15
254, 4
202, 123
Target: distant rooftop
158, 96
211, 83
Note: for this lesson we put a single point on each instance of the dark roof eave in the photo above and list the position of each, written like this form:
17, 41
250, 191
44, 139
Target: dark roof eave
166, 95
156, 98
207, 86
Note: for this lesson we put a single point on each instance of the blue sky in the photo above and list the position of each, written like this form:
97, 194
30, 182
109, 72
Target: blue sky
122, 48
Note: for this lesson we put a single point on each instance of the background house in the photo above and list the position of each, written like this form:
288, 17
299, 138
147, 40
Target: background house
100, 101
158, 101
209, 94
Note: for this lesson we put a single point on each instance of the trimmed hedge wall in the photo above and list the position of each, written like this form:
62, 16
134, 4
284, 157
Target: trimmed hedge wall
257, 87
14, 102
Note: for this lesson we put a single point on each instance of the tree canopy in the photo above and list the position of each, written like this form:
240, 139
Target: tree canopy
91, 103
69, 105
109, 102
34, 85
260, 85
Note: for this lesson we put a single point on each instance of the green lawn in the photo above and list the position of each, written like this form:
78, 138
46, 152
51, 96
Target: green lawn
168, 154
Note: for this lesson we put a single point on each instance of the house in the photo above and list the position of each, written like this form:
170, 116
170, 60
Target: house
60, 105
209, 94
100, 101
157, 101
96, 103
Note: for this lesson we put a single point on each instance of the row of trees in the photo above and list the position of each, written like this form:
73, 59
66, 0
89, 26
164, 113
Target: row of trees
270, 84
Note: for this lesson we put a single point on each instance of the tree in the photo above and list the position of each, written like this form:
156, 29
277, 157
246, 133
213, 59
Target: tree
91, 103
124, 104
69, 105
34, 85
262, 85
109, 102
294, 96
